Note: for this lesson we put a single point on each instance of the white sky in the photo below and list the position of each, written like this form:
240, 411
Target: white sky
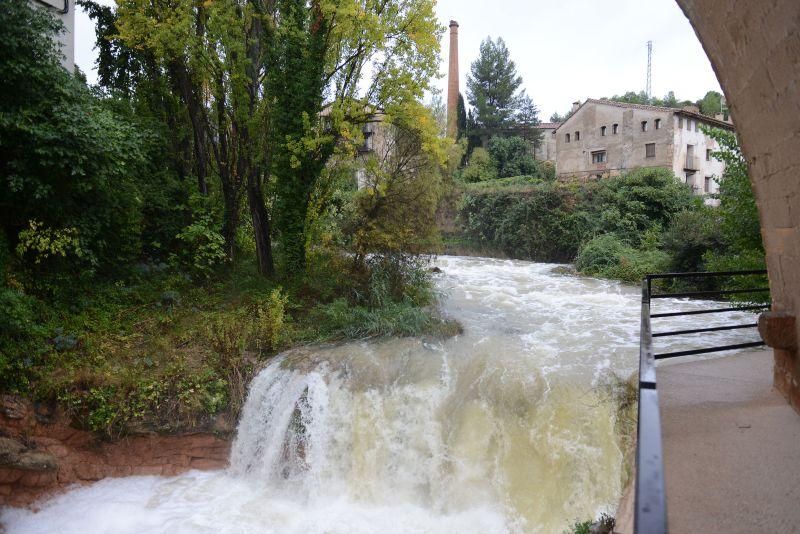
565, 50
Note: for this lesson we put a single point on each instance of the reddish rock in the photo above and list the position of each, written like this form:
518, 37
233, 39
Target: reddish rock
43, 454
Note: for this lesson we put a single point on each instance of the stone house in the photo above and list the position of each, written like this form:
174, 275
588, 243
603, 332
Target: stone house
603, 138
546, 150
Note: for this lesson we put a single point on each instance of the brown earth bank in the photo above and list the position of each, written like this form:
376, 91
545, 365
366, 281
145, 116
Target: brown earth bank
41, 453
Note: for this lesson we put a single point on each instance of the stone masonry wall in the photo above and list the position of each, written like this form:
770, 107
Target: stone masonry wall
754, 47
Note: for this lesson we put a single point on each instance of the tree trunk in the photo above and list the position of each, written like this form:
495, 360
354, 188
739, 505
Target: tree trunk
190, 97
261, 224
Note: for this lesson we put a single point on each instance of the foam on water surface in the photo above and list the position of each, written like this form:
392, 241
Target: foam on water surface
501, 429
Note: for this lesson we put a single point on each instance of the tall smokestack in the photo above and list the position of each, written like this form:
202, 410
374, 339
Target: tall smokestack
452, 83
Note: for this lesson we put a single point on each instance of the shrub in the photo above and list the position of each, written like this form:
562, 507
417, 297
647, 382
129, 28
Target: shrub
479, 168
538, 222
608, 257
269, 321
511, 157
204, 248
689, 236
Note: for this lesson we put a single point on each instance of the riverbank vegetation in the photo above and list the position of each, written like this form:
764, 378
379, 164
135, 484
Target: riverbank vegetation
165, 232
623, 227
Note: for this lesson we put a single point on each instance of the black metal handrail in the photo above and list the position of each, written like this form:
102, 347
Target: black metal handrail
650, 508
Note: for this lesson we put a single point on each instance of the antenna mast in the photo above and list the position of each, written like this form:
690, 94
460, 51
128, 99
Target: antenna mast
649, 89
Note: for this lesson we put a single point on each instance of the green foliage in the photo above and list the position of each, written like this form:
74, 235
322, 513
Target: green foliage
608, 257
270, 320
511, 156
203, 250
480, 167
711, 103
17, 317
493, 85
538, 223
72, 165
630, 204
690, 235
738, 209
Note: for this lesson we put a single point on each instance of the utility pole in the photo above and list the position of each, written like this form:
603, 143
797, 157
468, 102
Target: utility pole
649, 89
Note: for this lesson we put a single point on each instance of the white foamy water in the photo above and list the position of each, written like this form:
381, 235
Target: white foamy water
501, 429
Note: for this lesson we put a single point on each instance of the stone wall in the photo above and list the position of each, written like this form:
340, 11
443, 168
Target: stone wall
624, 149
754, 47
40, 453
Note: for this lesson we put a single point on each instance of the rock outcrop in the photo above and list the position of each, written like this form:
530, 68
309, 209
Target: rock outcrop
41, 453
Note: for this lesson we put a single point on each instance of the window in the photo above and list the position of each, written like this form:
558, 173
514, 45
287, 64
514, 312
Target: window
688, 125
690, 180
603, 131
658, 124
708, 154
696, 126
707, 186
614, 129
599, 156
577, 136
650, 150
644, 126
567, 138
680, 123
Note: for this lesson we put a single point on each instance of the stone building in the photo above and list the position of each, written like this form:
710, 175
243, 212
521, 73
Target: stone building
603, 138
64, 10
546, 150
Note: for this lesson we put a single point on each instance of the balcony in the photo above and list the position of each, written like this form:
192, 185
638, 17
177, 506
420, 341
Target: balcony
692, 163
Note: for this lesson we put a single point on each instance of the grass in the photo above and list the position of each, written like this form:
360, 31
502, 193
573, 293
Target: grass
163, 353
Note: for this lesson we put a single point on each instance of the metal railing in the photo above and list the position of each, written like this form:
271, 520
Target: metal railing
650, 507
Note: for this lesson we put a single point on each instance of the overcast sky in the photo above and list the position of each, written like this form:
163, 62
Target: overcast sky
565, 50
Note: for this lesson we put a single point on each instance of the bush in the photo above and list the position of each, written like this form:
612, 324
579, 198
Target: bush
510, 156
538, 222
203, 250
609, 257
689, 236
269, 320
479, 168
630, 204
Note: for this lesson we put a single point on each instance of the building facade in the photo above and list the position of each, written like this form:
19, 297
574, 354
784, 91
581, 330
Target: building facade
64, 10
604, 138
546, 150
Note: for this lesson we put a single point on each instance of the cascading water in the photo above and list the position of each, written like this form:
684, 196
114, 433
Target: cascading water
501, 429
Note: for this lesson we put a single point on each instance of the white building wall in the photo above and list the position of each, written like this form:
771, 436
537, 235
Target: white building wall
65, 10
702, 166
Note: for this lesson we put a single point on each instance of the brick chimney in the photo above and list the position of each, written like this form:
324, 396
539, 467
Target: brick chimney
452, 83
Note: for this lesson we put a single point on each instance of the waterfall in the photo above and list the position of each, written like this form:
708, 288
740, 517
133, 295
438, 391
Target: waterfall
502, 429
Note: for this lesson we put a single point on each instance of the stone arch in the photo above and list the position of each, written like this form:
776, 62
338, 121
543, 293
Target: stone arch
754, 48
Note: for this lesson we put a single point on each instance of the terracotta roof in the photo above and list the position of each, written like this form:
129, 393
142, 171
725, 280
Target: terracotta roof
693, 114
548, 125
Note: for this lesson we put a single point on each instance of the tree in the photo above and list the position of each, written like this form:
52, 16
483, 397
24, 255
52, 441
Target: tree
493, 87
214, 55
362, 56
511, 157
439, 111
463, 129
710, 104
76, 167
528, 122
740, 222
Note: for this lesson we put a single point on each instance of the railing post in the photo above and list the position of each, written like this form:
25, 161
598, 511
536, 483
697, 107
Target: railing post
650, 508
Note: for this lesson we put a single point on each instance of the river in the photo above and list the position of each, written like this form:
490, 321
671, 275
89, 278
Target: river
505, 428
